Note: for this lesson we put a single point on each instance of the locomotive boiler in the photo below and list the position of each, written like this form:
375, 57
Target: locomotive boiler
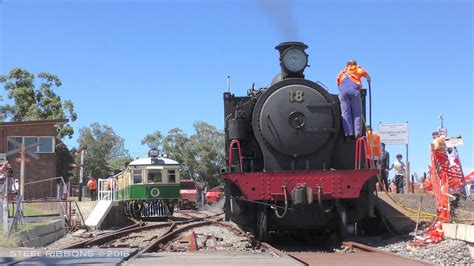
289, 165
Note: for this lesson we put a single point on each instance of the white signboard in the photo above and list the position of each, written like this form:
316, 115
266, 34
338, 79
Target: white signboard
454, 142
396, 133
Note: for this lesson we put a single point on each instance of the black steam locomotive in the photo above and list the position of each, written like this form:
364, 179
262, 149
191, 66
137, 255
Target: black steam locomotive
289, 165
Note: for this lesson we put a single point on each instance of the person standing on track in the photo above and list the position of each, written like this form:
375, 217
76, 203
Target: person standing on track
384, 165
349, 84
399, 172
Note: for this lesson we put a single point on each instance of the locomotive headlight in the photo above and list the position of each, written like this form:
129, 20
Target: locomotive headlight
294, 60
153, 153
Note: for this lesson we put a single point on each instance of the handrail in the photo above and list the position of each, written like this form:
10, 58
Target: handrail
231, 146
107, 189
80, 214
361, 146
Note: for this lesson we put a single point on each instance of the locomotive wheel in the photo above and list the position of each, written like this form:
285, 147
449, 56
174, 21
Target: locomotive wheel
262, 225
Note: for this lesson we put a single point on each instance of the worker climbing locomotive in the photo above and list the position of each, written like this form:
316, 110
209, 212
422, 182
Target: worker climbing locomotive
290, 166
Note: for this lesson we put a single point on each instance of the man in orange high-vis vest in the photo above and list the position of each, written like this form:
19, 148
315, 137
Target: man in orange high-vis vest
92, 187
349, 84
373, 147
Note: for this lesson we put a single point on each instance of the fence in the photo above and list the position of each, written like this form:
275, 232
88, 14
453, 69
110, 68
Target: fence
107, 189
50, 188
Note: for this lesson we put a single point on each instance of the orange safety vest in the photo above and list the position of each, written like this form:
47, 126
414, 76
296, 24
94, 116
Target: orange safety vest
354, 72
92, 184
373, 144
439, 144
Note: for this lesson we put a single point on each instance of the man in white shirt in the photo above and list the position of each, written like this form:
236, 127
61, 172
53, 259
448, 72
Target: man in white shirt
399, 167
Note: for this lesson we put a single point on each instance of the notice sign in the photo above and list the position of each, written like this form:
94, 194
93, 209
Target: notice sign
394, 133
454, 142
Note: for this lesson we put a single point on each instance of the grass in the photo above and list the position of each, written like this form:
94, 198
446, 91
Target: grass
9, 241
28, 210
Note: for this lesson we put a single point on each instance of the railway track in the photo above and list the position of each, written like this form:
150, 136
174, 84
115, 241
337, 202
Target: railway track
166, 236
102, 240
354, 253
169, 231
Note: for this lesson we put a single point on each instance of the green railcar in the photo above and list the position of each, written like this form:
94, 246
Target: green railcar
149, 187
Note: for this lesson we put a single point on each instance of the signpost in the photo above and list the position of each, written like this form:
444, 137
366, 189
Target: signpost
82, 151
397, 134
23, 150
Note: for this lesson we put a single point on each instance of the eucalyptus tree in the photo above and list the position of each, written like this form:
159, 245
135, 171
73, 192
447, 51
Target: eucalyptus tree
34, 99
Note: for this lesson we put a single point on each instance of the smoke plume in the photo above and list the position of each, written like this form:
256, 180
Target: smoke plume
281, 16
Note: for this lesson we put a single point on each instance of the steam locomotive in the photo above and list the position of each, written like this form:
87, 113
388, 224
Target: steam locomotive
289, 165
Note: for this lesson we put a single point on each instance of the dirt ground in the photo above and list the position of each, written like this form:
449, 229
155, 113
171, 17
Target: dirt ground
461, 206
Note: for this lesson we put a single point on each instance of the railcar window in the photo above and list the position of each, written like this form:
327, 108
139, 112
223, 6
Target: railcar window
137, 176
171, 176
155, 176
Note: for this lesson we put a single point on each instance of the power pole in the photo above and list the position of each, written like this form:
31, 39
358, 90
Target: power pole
5, 205
22, 170
81, 173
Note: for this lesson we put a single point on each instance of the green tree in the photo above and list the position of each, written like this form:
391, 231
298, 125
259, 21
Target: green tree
104, 150
177, 146
153, 140
200, 155
208, 146
31, 102
64, 159
2, 112
119, 163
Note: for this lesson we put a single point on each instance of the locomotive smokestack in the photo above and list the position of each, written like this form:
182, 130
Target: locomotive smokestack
293, 59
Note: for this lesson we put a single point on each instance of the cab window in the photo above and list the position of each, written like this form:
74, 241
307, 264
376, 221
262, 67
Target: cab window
155, 176
137, 176
171, 176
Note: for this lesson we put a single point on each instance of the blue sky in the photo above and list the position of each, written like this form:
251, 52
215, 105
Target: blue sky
141, 66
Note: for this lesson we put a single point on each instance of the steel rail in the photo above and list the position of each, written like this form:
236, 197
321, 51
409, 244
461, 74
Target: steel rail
121, 232
83, 243
239, 232
171, 235
366, 248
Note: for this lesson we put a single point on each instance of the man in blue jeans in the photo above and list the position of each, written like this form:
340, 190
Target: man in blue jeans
349, 83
